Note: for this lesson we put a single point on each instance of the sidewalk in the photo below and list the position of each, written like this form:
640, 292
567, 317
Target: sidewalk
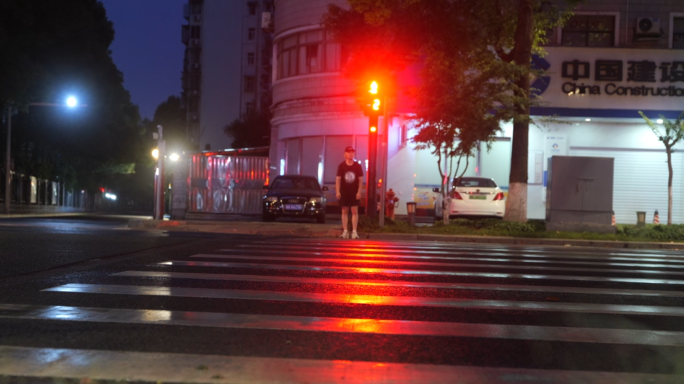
250, 225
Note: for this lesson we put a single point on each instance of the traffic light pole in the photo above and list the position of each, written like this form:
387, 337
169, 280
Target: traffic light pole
383, 161
371, 204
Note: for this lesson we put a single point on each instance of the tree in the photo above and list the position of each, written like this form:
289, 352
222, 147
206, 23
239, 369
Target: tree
253, 129
50, 48
464, 115
674, 132
171, 115
480, 77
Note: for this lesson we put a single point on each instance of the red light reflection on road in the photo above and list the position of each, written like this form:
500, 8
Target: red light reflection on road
368, 270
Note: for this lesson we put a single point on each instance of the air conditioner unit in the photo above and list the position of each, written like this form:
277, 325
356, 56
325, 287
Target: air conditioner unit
648, 26
267, 21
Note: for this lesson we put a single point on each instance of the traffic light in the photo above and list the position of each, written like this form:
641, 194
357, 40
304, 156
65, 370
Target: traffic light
373, 99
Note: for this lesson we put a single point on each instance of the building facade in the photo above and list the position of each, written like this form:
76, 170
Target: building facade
609, 62
226, 68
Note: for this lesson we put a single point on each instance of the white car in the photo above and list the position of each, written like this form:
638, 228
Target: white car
473, 196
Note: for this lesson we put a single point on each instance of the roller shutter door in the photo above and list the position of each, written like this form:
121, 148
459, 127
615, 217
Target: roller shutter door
640, 183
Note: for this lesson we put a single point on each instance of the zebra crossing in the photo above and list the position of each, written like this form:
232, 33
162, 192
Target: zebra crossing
333, 311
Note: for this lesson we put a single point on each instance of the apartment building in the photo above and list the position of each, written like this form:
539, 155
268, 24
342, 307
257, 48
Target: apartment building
227, 66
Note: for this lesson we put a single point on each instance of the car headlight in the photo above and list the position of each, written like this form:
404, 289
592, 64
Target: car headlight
271, 199
317, 200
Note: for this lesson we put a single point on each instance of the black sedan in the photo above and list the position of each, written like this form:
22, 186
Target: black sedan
294, 196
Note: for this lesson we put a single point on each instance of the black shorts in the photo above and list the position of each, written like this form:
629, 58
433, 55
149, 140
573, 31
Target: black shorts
348, 200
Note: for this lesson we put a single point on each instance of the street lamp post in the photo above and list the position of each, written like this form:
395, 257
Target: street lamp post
159, 185
71, 102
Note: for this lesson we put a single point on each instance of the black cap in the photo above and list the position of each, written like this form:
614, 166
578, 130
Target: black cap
349, 149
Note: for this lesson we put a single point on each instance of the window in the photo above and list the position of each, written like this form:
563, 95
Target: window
194, 105
678, 32
589, 31
251, 33
250, 83
403, 135
194, 81
196, 8
249, 107
195, 55
475, 182
195, 32
250, 58
307, 52
252, 7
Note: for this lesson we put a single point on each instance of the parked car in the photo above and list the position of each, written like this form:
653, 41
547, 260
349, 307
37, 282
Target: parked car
473, 196
294, 196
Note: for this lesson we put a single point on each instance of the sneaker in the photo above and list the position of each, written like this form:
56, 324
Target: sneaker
345, 235
354, 235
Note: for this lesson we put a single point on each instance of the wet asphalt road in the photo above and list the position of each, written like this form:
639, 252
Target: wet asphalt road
539, 310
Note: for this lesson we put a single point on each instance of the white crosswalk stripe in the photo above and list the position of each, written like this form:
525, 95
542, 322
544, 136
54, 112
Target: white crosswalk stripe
573, 297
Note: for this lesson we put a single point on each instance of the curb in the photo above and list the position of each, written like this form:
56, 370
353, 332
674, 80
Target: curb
308, 232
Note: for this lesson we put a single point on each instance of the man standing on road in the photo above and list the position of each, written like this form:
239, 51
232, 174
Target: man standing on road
348, 191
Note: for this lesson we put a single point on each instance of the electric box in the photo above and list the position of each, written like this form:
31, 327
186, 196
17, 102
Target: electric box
579, 195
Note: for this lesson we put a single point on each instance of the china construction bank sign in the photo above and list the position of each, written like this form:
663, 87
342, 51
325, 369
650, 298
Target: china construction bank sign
613, 78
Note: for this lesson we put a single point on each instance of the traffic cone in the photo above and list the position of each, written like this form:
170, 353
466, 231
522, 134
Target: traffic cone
656, 219
613, 220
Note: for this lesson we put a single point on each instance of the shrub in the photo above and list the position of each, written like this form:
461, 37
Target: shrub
500, 225
653, 232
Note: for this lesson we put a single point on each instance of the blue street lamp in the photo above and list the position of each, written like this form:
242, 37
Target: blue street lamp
70, 102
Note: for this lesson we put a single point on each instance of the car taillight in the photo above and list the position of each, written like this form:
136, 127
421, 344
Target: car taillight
499, 196
456, 195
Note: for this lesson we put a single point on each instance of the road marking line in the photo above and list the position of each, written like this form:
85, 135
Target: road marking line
182, 367
336, 298
413, 246
435, 264
465, 252
396, 283
493, 256
419, 273
342, 325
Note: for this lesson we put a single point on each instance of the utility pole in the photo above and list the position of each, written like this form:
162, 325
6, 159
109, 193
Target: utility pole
8, 176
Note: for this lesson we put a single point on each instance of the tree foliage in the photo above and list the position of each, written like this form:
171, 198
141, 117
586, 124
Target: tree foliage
475, 59
251, 130
52, 49
171, 115
672, 134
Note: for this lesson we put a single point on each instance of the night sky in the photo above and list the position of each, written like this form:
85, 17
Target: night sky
147, 48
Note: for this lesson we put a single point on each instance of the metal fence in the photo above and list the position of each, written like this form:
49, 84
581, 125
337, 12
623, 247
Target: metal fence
227, 184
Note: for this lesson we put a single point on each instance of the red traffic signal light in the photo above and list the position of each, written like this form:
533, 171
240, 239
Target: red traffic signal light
373, 99
373, 87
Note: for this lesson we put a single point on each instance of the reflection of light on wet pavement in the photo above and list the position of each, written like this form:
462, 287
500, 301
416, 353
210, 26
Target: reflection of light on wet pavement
181, 367
396, 283
329, 324
333, 298
432, 272
446, 264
